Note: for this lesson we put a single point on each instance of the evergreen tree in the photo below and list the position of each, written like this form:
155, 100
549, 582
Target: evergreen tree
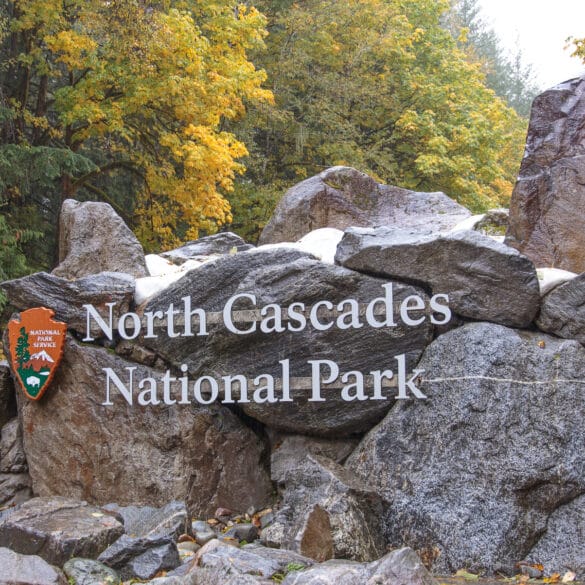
22, 348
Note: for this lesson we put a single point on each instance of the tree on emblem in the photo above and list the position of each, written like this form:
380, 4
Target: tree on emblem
22, 353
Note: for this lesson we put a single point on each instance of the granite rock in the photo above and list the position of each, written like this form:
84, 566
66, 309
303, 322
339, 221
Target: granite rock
547, 222
484, 279
80, 447
472, 476
341, 197
562, 311
20, 569
67, 297
57, 529
93, 238
284, 277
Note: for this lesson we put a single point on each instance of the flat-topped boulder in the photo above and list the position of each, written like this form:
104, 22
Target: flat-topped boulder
484, 279
57, 529
341, 197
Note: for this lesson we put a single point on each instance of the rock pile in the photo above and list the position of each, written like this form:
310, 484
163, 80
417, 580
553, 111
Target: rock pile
413, 384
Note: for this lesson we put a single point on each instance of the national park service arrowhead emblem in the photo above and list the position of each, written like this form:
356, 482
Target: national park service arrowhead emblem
36, 349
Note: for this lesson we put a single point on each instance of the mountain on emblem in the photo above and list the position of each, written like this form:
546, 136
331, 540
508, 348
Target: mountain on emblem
36, 348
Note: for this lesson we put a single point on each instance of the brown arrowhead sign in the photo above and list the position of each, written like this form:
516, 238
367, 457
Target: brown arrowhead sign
36, 349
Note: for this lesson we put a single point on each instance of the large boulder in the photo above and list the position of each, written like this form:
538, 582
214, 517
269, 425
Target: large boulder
93, 238
281, 278
133, 454
57, 529
327, 512
67, 297
20, 569
474, 476
341, 197
547, 222
484, 279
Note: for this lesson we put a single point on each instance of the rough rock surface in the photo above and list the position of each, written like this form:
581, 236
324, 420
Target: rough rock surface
547, 223
143, 521
58, 529
89, 572
12, 456
400, 567
67, 297
218, 554
327, 512
222, 243
7, 396
472, 475
93, 238
78, 447
141, 558
562, 549
20, 569
485, 280
289, 452
341, 197
15, 488
562, 311
284, 277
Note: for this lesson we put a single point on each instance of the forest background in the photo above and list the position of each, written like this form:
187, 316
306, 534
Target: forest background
189, 117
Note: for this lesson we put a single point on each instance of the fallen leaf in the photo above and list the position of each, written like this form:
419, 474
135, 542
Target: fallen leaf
554, 578
467, 576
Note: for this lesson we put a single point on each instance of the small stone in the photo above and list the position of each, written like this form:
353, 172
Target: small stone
247, 532
202, 532
15, 488
89, 572
191, 547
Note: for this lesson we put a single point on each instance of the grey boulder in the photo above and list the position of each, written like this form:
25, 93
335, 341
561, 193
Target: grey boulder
547, 222
144, 521
327, 512
67, 297
93, 238
57, 529
562, 311
284, 277
15, 488
399, 567
485, 280
472, 476
20, 569
141, 557
341, 197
